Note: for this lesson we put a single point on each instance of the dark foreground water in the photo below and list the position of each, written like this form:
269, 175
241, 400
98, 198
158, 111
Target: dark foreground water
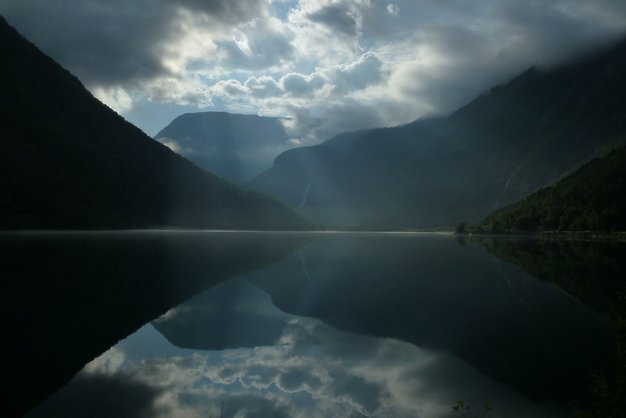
302, 325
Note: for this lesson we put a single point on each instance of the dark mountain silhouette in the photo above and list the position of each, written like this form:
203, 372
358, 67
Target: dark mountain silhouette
234, 147
502, 146
590, 270
591, 199
67, 297
440, 295
68, 161
200, 323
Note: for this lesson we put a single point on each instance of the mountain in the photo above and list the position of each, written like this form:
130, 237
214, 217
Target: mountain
500, 147
234, 147
66, 298
68, 161
591, 199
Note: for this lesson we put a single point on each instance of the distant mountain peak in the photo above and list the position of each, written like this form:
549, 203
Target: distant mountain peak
233, 146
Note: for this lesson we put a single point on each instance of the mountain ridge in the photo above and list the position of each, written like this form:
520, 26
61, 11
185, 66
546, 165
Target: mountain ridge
74, 163
508, 142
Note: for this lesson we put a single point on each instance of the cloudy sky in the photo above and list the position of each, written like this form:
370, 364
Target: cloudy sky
330, 65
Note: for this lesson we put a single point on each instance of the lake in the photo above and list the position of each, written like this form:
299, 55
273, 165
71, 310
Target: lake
219, 324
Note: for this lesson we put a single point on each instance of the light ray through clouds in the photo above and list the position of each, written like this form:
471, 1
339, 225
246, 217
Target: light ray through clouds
345, 65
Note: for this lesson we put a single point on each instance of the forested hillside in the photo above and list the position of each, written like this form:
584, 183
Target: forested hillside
591, 199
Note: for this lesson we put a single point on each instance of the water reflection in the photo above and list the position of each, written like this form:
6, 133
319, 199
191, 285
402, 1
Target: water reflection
590, 270
355, 325
439, 295
66, 298
310, 370
231, 315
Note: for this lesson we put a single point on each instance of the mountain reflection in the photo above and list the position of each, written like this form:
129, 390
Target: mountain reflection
362, 325
590, 270
232, 315
312, 370
65, 298
439, 295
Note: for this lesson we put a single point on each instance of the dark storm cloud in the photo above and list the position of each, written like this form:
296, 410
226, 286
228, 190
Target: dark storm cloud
336, 17
548, 33
102, 45
115, 42
226, 11
459, 64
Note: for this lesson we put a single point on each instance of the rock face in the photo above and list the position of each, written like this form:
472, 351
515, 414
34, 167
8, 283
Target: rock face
68, 161
234, 147
499, 148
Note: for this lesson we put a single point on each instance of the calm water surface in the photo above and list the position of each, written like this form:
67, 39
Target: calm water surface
333, 325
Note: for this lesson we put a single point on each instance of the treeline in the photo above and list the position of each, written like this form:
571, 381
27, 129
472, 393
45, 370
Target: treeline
593, 198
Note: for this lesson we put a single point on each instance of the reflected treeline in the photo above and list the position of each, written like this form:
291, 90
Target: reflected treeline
67, 298
591, 270
439, 295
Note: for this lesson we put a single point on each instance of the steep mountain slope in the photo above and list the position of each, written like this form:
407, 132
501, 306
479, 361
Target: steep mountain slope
68, 161
66, 298
592, 198
505, 144
234, 147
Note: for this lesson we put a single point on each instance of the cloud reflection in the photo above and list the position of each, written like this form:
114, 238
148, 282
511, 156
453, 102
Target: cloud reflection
312, 370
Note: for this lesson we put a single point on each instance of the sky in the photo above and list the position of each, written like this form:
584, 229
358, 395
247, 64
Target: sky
328, 66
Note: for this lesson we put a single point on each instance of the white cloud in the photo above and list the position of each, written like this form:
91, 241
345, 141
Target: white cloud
393, 9
114, 97
108, 363
229, 89
364, 71
263, 87
181, 149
